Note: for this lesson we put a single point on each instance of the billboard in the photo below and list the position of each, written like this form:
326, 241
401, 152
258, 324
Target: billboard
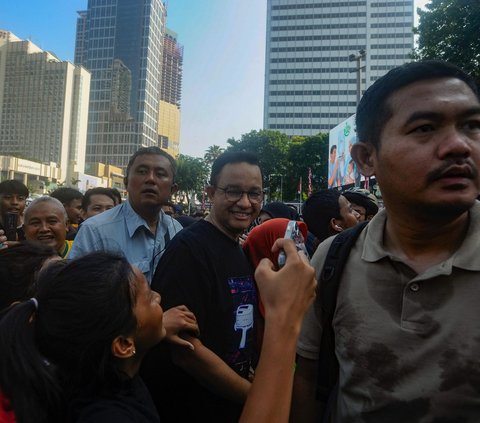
341, 168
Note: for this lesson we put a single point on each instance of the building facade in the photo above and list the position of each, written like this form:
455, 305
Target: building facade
120, 42
43, 107
170, 94
322, 54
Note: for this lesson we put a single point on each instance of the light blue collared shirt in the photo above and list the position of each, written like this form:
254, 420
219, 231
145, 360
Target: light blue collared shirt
121, 230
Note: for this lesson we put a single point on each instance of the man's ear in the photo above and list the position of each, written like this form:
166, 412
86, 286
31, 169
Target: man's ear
123, 347
363, 154
173, 188
210, 190
335, 226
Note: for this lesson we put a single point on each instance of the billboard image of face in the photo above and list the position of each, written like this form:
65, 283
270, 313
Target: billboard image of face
341, 168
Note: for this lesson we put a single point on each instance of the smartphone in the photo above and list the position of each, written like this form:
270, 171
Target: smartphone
292, 232
10, 220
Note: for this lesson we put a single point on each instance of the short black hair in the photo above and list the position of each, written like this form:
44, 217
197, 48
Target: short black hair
96, 191
66, 195
230, 157
373, 110
13, 186
117, 195
19, 265
332, 148
319, 209
151, 150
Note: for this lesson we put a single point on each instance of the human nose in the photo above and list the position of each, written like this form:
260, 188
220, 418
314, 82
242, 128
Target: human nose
244, 201
454, 143
44, 227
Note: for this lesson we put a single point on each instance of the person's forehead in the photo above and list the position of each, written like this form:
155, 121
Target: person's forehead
240, 174
11, 194
100, 198
436, 94
45, 210
153, 161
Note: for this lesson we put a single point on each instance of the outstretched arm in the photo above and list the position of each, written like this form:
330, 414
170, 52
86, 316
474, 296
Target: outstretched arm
286, 295
210, 370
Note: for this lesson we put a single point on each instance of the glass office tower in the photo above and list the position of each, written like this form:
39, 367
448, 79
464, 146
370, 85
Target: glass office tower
120, 43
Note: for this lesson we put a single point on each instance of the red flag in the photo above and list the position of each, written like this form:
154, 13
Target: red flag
299, 189
309, 181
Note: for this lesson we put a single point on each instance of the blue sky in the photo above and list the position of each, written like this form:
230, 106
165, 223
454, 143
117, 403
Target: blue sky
224, 57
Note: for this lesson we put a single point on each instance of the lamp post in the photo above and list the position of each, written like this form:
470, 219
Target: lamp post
358, 58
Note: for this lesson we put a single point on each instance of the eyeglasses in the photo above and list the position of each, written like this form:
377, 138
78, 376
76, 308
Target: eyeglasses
234, 195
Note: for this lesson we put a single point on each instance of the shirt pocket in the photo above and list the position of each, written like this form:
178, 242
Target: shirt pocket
144, 266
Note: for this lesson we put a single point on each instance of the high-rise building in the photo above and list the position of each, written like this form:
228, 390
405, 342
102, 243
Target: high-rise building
170, 94
120, 42
43, 106
316, 49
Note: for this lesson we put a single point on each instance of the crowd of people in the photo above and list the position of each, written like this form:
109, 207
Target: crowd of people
116, 310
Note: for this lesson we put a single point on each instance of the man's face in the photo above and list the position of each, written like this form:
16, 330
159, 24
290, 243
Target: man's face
361, 211
45, 222
233, 217
167, 209
430, 148
150, 183
74, 211
14, 203
98, 204
349, 217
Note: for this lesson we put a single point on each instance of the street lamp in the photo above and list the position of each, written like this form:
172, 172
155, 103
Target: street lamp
358, 57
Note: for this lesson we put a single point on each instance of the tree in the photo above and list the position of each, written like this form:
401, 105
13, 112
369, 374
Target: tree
448, 30
271, 148
212, 153
304, 153
192, 173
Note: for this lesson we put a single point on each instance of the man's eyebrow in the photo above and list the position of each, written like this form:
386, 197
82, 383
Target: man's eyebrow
437, 116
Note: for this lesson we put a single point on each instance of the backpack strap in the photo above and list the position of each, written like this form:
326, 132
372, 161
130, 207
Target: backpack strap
327, 290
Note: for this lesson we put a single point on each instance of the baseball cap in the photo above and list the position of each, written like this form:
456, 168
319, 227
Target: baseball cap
363, 197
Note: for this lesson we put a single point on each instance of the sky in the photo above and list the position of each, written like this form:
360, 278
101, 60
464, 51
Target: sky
223, 66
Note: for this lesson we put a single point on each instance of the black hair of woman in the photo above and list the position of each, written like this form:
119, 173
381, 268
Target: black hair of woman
61, 342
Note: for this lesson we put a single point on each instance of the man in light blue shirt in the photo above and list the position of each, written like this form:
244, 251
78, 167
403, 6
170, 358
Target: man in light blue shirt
137, 228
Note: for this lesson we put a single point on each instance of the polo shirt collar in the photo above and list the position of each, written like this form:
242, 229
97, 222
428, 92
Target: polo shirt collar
466, 257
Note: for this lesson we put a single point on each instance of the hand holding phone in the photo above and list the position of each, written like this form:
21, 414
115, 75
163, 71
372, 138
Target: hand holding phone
292, 232
10, 220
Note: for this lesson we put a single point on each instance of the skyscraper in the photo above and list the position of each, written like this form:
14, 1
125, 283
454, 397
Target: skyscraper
170, 94
120, 42
316, 49
43, 106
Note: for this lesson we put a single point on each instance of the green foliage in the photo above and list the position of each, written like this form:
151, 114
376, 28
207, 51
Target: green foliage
271, 147
192, 173
284, 160
304, 153
212, 153
449, 30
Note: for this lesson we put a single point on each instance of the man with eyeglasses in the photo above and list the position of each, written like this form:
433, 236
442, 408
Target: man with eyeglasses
205, 268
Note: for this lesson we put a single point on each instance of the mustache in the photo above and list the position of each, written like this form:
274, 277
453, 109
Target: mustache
471, 170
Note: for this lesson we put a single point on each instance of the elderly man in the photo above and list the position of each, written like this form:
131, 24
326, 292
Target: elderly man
45, 221
138, 227
406, 321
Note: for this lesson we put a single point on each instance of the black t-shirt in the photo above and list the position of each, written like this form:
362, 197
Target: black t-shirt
208, 272
130, 402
